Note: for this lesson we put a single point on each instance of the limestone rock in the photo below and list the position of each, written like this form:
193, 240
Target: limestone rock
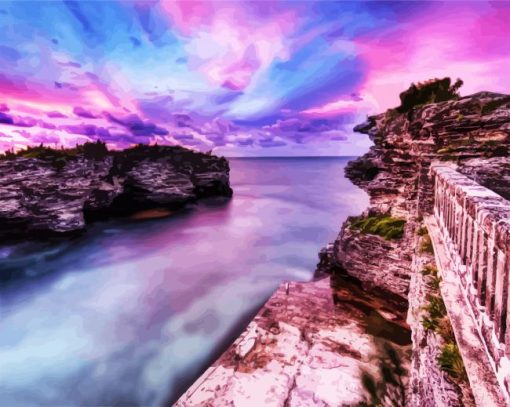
38, 197
473, 132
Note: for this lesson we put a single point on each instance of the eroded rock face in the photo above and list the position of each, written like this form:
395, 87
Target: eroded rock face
474, 133
38, 197
492, 173
364, 256
395, 173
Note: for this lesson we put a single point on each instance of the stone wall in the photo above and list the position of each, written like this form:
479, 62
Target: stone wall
395, 173
475, 226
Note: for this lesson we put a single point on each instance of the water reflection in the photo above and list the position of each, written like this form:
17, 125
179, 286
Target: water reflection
132, 311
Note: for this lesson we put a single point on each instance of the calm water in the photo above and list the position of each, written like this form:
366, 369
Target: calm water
133, 311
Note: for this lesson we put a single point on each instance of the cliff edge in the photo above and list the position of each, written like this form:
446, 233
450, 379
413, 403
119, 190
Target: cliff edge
387, 248
50, 191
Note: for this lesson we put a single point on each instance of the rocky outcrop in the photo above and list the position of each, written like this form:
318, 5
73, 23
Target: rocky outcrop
58, 192
395, 173
309, 345
364, 255
492, 173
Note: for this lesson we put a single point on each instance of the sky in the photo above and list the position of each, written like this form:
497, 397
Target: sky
265, 78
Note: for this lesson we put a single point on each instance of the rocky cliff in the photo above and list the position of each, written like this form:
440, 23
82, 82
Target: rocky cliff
45, 191
466, 130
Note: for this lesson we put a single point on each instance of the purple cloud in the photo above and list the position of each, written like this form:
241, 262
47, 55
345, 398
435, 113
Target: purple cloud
137, 126
83, 129
70, 64
271, 142
4, 107
44, 138
183, 137
6, 119
17, 121
55, 115
65, 85
46, 125
81, 112
244, 142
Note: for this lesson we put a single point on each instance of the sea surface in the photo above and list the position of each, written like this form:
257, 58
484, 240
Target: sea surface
133, 311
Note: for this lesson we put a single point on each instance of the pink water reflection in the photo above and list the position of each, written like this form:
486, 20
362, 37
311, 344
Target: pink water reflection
133, 311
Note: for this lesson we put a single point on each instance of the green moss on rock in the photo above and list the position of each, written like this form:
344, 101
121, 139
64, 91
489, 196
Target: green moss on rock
385, 226
426, 245
450, 360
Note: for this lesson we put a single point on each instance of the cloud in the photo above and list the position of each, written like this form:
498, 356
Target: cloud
81, 112
231, 43
55, 114
238, 75
17, 121
183, 136
137, 126
6, 119
271, 142
83, 129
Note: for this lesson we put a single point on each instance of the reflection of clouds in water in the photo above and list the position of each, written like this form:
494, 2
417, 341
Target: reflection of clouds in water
133, 309
183, 343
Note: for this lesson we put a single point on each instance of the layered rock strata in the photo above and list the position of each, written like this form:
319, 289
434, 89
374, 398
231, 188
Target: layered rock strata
41, 196
474, 133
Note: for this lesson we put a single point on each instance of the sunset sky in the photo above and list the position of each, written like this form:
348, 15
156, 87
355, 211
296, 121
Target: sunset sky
240, 78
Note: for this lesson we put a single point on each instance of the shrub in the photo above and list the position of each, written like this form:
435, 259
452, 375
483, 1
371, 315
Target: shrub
382, 225
432, 91
426, 245
58, 157
95, 151
434, 283
445, 330
429, 270
435, 310
422, 231
389, 388
430, 324
450, 360
436, 307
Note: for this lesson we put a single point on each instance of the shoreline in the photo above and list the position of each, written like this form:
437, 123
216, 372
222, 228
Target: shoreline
308, 342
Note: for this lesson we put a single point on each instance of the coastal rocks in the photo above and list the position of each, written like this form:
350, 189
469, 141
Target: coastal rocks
60, 191
492, 173
159, 183
306, 347
395, 172
380, 265
474, 133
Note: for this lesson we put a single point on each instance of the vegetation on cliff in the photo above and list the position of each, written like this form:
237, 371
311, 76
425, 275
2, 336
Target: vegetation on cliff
124, 160
385, 226
389, 387
436, 320
432, 91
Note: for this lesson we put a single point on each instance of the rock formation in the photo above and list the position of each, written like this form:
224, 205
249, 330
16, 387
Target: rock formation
46, 191
466, 130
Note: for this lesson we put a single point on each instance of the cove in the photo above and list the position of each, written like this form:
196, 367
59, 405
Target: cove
132, 312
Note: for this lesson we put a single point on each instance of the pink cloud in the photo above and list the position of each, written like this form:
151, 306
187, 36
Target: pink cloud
336, 107
467, 44
230, 43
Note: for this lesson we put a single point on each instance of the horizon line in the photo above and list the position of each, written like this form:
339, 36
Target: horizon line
293, 156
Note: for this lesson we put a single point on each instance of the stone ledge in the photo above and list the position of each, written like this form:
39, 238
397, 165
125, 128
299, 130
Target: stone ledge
484, 383
301, 349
